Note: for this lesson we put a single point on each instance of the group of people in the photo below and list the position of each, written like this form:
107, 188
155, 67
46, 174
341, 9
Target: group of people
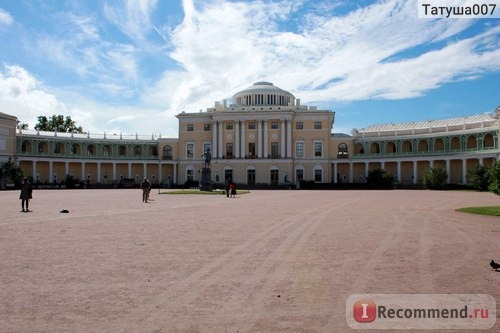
230, 190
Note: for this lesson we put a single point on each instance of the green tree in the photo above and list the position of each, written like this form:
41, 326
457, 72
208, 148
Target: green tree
58, 123
435, 178
494, 177
379, 178
479, 178
10, 173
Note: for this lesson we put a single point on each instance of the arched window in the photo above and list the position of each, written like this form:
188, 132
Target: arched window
122, 150
406, 147
75, 149
374, 148
390, 148
488, 141
26, 147
106, 150
423, 146
438, 145
137, 150
343, 151
359, 149
91, 150
58, 148
153, 151
472, 142
455, 143
167, 152
43, 148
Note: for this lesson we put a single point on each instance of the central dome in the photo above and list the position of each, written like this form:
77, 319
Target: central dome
263, 93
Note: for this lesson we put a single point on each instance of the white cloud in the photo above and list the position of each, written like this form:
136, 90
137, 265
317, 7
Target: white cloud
5, 18
133, 19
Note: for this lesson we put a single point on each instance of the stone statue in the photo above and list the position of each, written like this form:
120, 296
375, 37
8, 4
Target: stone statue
208, 158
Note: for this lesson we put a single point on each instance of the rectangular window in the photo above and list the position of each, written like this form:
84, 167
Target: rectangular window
317, 125
190, 127
299, 125
207, 127
274, 150
229, 150
318, 175
274, 125
274, 177
251, 177
206, 146
251, 125
251, 150
229, 126
299, 175
299, 150
318, 149
190, 175
189, 150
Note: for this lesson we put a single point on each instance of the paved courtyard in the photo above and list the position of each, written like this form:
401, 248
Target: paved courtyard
266, 261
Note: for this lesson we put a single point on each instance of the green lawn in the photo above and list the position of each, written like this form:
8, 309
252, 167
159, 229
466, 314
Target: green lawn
489, 210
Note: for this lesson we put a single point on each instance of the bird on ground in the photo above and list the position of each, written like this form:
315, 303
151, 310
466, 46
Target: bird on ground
494, 265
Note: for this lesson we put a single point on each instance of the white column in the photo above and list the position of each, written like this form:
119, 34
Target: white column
159, 173
464, 171
481, 162
66, 168
243, 143
51, 175
414, 172
34, 171
145, 170
282, 152
266, 139
350, 172
335, 173
448, 171
237, 139
431, 164
114, 171
98, 172
129, 170
221, 130
214, 139
175, 174
83, 177
289, 138
366, 170
259, 138
399, 171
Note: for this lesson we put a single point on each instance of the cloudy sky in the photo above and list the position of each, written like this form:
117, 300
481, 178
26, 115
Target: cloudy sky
131, 65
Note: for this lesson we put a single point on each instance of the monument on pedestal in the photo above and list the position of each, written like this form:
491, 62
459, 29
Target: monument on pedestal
206, 173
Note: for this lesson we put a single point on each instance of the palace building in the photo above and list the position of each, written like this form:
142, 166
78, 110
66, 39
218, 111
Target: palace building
263, 137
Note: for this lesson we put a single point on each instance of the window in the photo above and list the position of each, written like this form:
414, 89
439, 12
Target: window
274, 125
190, 175
167, 152
274, 177
229, 126
342, 152
318, 175
122, 150
299, 150
206, 146
317, 125
299, 125
251, 125
318, 149
91, 150
251, 177
229, 150
251, 150
207, 127
137, 150
42, 147
189, 150
58, 148
190, 127
274, 150
299, 175
106, 150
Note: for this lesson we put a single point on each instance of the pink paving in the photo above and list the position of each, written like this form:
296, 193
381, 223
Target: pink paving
267, 261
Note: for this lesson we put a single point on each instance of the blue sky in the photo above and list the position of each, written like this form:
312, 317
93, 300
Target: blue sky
131, 66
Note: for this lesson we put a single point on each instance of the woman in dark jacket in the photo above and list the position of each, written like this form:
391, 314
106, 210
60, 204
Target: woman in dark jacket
26, 194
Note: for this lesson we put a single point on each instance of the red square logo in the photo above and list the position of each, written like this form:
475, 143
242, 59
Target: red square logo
364, 311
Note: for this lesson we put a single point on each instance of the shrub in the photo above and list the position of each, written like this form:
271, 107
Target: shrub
479, 178
494, 178
379, 178
435, 178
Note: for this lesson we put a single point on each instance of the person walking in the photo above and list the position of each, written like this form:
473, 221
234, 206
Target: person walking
26, 195
145, 187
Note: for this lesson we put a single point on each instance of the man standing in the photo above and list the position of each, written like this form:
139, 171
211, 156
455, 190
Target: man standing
145, 187
26, 194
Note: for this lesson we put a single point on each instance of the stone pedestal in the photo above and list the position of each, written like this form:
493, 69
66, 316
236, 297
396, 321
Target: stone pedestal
206, 180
